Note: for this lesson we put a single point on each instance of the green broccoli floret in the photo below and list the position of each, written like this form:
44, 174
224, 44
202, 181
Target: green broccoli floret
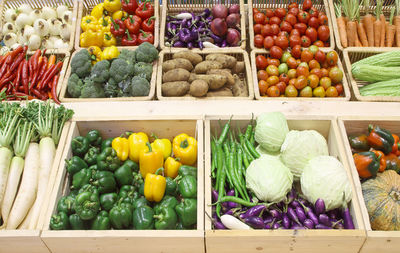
128, 55
100, 71
74, 86
146, 52
126, 87
81, 63
120, 70
92, 89
112, 90
140, 86
143, 68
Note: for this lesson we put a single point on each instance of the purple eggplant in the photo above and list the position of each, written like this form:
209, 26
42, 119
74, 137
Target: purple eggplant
185, 35
255, 210
333, 214
179, 44
291, 196
347, 220
214, 195
286, 221
190, 45
268, 226
224, 43
276, 226
319, 206
219, 225
292, 215
275, 213
300, 214
254, 222
308, 224
295, 204
324, 219
215, 38
312, 216
322, 226
268, 220
297, 226
230, 212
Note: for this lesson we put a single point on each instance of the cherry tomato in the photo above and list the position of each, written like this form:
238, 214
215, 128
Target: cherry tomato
307, 4
276, 52
325, 82
303, 17
275, 20
323, 32
257, 28
281, 86
314, 64
255, 10
261, 62
286, 55
313, 81
312, 34
259, 18
275, 62
269, 13
293, 5
284, 78
332, 58
273, 91
306, 55
317, 72
305, 41
323, 20
313, 49
258, 41
331, 92
272, 80
295, 11
268, 42
325, 73
339, 88
313, 12
291, 19
291, 91
313, 22
294, 40
301, 27
301, 82
272, 70
266, 30
280, 12
275, 29
304, 64
263, 86
292, 63
296, 51
292, 81
319, 43
321, 13
282, 42
262, 75
291, 74
319, 92
336, 75
306, 92
286, 26
295, 32
302, 71
283, 33
320, 56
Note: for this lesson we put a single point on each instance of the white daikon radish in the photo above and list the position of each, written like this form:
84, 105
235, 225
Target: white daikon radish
233, 223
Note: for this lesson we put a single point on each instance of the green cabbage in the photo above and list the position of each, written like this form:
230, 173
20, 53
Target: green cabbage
269, 179
261, 151
271, 130
301, 146
325, 177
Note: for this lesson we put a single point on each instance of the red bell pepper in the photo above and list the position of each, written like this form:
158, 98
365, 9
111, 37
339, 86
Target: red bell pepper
145, 10
129, 39
132, 23
148, 24
129, 6
145, 37
117, 27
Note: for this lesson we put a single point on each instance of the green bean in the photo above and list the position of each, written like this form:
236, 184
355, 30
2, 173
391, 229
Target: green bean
224, 131
221, 175
251, 149
252, 140
213, 157
247, 134
237, 200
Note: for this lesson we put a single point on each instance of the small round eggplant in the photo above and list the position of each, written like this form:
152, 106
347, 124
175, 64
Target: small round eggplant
324, 219
322, 226
308, 224
319, 206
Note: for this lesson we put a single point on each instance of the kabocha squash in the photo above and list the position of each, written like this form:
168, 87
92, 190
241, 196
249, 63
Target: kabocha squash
382, 199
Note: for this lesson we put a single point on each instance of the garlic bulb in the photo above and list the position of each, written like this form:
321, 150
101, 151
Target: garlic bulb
9, 28
65, 31
10, 15
36, 14
54, 26
34, 42
10, 39
25, 8
67, 17
41, 27
48, 13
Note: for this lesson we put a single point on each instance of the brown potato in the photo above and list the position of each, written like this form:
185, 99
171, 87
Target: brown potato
204, 66
177, 63
230, 80
189, 55
226, 60
192, 77
240, 88
239, 68
224, 92
198, 88
176, 75
214, 81
175, 89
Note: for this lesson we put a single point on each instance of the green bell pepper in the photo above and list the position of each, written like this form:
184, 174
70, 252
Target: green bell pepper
187, 187
187, 212
359, 142
165, 219
107, 200
81, 178
75, 164
128, 194
66, 204
142, 201
124, 175
104, 181
108, 160
179, 226
137, 179
91, 156
79, 145
380, 139
131, 164
94, 138
89, 188
186, 170
121, 216
106, 143
59, 221
76, 222
143, 218
167, 202
141, 189
171, 186
101, 222
94, 167
87, 205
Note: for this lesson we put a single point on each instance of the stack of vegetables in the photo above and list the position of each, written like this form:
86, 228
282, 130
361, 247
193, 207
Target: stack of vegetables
28, 139
23, 78
114, 74
219, 27
288, 181
292, 26
108, 190
376, 157
46, 27
118, 22
307, 72
381, 71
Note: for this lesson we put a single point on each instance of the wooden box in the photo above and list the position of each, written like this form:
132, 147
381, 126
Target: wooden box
174, 7
86, 6
311, 240
21, 241
121, 241
64, 96
261, 5
346, 96
240, 55
377, 241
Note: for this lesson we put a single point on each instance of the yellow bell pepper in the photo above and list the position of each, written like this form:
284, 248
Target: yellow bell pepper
89, 23
150, 160
98, 11
110, 53
91, 38
95, 54
137, 142
112, 5
119, 15
105, 23
185, 148
172, 166
164, 145
121, 146
109, 40
154, 186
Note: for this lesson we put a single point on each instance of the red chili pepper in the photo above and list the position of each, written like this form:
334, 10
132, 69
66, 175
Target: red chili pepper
145, 37
54, 89
46, 74
117, 27
14, 54
36, 72
17, 62
23, 95
145, 10
129, 6
30, 69
43, 68
129, 39
132, 23
18, 78
3, 68
5, 81
25, 76
148, 24
55, 71
35, 61
38, 94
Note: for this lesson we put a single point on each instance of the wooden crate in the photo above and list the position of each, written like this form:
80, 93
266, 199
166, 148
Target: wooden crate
197, 6
64, 96
86, 6
121, 241
240, 55
377, 241
21, 241
281, 240
321, 5
72, 4
346, 89
356, 54
388, 5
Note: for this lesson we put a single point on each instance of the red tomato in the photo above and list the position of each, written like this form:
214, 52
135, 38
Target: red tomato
269, 13
258, 41
307, 4
281, 87
302, 71
255, 10
275, 20
282, 42
306, 55
268, 42
263, 87
312, 34
266, 30
332, 58
283, 33
295, 11
303, 17
294, 40
261, 62
274, 62
319, 43
276, 52
286, 26
291, 19
296, 51
275, 29
293, 5
295, 32
280, 12
257, 28
259, 18
320, 56
313, 22
292, 63
301, 27
323, 20
339, 88
323, 32
313, 12
284, 78
305, 41
321, 13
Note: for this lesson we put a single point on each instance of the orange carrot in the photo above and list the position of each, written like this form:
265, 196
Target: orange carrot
362, 35
390, 30
368, 24
397, 23
352, 33
378, 24
383, 30
358, 42
341, 23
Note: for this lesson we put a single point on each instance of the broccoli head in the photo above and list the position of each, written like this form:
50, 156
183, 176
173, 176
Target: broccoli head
126, 87
146, 52
91, 89
142, 68
74, 86
128, 55
120, 70
111, 89
140, 86
81, 63
100, 71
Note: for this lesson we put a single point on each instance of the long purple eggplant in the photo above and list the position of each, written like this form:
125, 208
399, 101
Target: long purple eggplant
268, 220
319, 206
296, 226
255, 210
308, 224
275, 213
268, 226
347, 220
310, 214
324, 219
294, 204
333, 214
292, 215
254, 222
219, 225
285, 221
231, 204
214, 195
322, 226
276, 226
300, 214
291, 196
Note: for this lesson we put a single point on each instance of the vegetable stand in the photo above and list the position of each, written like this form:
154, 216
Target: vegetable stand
167, 241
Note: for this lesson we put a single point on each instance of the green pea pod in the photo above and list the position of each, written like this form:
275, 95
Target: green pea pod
87, 205
76, 222
187, 187
79, 145
165, 219
107, 200
143, 218
75, 164
59, 221
108, 160
187, 212
66, 205
91, 156
101, 222
123, 175
94, 138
